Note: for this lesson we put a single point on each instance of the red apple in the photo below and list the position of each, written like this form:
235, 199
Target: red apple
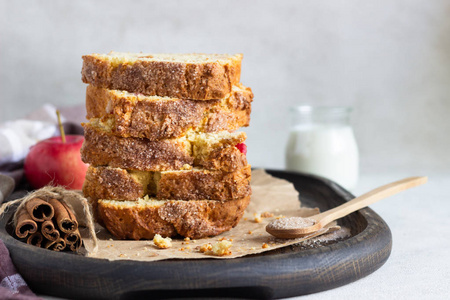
56, 163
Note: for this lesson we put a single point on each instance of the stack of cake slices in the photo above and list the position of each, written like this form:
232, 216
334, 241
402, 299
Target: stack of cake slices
161, 143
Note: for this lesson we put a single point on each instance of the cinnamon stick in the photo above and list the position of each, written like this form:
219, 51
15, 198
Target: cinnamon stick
76, 246
57, 245
65, 219
35, 239
73, 240
49, 232
25, 225
39, 210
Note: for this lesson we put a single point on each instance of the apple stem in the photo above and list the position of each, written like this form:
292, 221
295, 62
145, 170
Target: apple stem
61, 128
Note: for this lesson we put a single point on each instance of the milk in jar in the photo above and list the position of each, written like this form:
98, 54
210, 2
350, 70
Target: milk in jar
322, 142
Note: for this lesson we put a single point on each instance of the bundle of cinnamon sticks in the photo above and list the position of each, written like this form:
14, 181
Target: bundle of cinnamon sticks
48, 224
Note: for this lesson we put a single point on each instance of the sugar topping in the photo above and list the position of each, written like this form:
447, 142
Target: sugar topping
121, 57
326, 239
291, 223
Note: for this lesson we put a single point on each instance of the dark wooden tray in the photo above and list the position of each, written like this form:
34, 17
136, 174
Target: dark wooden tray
287, 272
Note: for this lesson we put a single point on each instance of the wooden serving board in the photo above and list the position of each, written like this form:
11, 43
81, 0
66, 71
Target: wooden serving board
287, 272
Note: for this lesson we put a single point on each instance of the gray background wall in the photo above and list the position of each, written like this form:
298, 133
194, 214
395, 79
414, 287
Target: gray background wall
389, 59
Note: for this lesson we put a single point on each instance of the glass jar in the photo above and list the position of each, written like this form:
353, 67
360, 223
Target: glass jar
321, 142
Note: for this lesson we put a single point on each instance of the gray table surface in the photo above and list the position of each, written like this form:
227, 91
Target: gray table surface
419, 265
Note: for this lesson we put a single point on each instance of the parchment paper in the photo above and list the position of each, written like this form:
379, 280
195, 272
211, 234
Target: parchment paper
270, 195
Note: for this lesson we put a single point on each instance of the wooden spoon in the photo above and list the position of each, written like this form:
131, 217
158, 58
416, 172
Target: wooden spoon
293, 227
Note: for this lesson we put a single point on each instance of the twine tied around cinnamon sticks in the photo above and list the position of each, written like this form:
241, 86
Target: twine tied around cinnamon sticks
45, 219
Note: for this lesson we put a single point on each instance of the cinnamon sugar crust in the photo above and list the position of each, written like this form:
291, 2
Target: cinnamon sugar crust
195, 219
155, 118
101, 148
186, 76
204, 184
197, 184
114, 184
226, 159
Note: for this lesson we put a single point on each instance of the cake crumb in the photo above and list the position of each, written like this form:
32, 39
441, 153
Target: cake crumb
162, 243
264, 246
250, 232
258, 218
267, 214
205, 248
221, 248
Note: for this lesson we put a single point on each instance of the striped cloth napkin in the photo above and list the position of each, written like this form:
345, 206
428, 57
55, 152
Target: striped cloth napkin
12, 285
